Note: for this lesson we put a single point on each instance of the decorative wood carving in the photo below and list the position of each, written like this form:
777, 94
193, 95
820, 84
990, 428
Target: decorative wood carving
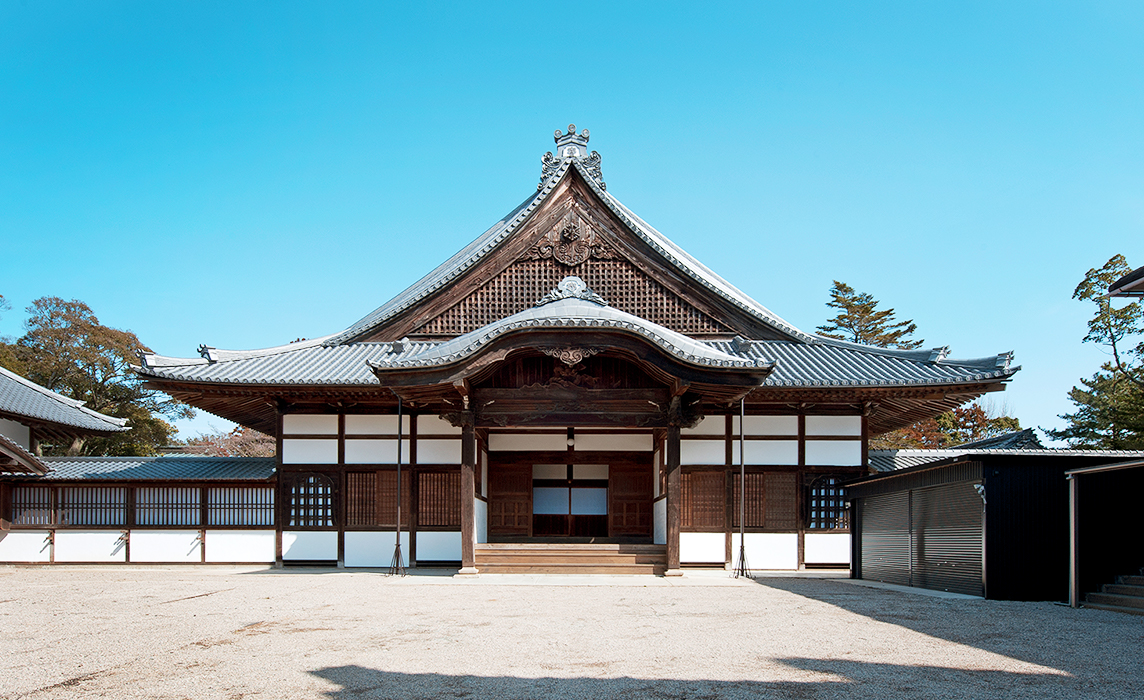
570, 356
570, 242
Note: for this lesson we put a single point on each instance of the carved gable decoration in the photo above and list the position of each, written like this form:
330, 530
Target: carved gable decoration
570, 242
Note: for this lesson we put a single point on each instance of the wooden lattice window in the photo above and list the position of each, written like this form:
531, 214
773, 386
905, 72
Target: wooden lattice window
387, 498
32, 505
755, 505
92, 506
826, 505
240, 505
311, 502
159, 506
361, 499
439, 499
703, 503
782, 500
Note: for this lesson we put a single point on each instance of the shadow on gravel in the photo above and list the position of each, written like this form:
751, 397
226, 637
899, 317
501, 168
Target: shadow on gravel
840, 679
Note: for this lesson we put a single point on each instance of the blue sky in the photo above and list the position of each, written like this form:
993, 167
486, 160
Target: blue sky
242, 174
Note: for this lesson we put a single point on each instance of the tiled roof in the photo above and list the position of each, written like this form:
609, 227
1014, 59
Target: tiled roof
162, 467
21, 461
22, 397
893, 460
1018, 439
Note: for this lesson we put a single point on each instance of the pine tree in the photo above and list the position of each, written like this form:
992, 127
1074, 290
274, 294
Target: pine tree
860, 321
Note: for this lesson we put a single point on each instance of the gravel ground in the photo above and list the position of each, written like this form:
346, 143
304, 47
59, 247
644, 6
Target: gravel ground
203, 632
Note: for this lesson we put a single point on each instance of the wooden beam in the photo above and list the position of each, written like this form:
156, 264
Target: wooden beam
674, 493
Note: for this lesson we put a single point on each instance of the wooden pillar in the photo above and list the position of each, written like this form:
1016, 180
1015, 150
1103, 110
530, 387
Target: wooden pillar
468, 493
673, 497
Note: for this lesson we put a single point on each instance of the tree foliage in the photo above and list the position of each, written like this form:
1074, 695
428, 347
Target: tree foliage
860, 321
66, 349
961, 425
1109, 404
240, 442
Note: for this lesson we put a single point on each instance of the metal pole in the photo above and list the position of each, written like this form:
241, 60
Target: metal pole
397, 566
742, 570
1074, 550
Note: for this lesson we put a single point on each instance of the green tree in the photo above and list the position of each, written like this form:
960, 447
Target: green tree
860, 321
66, 349
1110, 404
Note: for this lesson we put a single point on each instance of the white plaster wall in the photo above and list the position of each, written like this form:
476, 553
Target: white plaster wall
768, 425
618, 443
437, 451
374, 549
481, 516
376, 425
518, 442
702, 548
25, 546
375, 452
768, 550
96, 546
309, 451
702, 452
302, 424
710, 425
438, 546
435, 425
165, 546
767, 451
839, 453
16, 432
826, 548
659, 521
240, 546
834, 425
309, 545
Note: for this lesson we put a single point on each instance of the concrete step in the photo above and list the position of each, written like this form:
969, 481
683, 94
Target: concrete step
1123, 588
1115, 608
1120, 601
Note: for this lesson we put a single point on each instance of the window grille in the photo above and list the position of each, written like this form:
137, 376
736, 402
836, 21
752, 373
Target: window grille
703, 501
827, 505
782, 500
361, 499
92, 505
755, 505
387, 498
439, 499
168, 506
311, 502
32, 505
240, 505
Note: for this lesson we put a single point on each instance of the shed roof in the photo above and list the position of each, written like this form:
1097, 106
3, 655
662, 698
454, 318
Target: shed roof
159, 468
23, 398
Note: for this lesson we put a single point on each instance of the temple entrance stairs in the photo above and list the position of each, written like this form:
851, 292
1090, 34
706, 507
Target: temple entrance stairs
1126, 595
571, 558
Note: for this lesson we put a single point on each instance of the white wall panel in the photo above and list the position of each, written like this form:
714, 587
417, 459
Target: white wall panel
768, 550
702, 452
25, 546
702, 548
304, 424
374, 549
710, 425
826, 548
435, 425
834, 425
240, 546
767, 452
165, 546
438, 451
309, 451
16, 432
481, 516
659, 521
98, 546
617, 443
375, 452
375, 425
768, 425
438, 546
518, 442
309, 545
839, 453
484, 473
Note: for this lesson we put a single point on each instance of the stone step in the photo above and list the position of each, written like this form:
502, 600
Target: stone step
562, 547
1124, 588
1131, 580
576, 558
1115, 608
1122, 601
572, 569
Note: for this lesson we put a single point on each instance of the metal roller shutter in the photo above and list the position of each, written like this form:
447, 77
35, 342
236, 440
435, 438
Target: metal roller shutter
947, 538
886, 538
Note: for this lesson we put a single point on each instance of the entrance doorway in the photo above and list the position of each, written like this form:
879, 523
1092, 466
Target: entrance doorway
570, 500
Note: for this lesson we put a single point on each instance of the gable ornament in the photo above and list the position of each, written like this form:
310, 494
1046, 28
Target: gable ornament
572, 287
570, 356
570, 243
